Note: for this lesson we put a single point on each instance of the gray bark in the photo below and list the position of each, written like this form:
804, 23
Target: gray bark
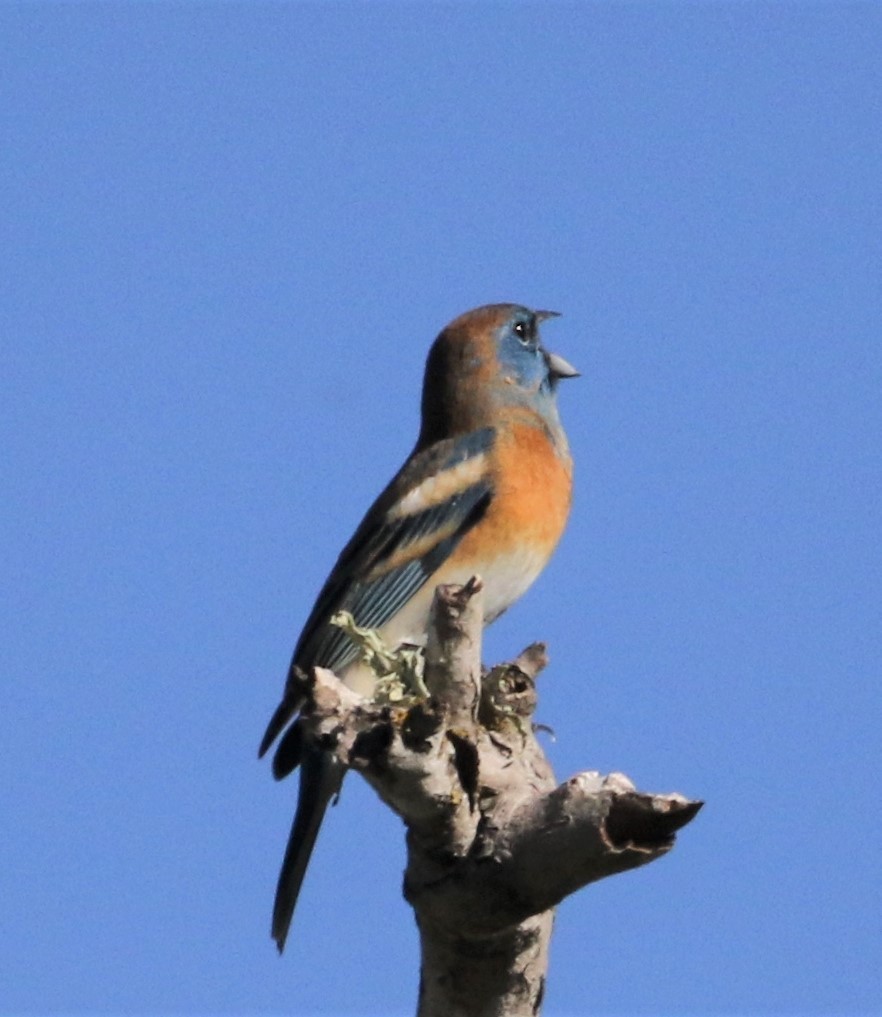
493, 842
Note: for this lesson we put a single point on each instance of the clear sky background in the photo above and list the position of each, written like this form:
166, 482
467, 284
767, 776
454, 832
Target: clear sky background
229, 234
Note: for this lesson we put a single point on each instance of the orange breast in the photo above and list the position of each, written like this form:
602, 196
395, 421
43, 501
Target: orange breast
511, 545
533, 488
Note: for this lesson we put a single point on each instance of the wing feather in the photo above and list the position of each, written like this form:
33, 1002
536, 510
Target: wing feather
406, 535
375, 598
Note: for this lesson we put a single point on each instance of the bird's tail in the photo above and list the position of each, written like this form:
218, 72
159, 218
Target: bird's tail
320, 778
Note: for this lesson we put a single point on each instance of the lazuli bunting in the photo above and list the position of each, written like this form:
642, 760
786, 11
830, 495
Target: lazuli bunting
486, 491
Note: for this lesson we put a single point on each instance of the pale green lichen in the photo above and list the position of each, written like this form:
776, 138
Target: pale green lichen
399, 671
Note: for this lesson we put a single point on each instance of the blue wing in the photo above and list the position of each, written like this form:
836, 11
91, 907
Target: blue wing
394, 551
437, 497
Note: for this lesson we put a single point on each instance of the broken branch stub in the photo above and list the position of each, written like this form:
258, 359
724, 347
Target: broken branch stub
494, 843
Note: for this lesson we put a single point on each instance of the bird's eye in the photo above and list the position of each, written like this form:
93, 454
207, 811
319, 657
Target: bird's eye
522, 332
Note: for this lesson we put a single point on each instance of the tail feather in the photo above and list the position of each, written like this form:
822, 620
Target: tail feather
284, 712
289, 752
320, 778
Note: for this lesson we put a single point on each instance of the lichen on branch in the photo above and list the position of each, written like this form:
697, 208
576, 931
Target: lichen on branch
494, 843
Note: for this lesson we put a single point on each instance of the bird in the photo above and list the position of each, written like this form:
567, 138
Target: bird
486, 491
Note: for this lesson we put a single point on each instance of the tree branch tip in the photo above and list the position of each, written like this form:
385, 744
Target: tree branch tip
458, 595
532, 659
328, 695
323, 680
647, 822
681, 810
321, 675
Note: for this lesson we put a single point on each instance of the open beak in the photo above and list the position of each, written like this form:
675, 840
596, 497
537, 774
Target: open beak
559, 368
545, 315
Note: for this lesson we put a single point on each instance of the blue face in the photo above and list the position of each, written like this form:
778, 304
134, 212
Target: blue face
520, 352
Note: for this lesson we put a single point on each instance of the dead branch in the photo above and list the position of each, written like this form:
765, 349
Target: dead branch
494, 844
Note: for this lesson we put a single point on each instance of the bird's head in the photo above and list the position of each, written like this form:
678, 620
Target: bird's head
485, 358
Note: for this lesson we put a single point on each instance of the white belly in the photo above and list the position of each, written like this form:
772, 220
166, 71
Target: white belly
505, 581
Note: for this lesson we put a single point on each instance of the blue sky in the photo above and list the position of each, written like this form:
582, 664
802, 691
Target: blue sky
230, 233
